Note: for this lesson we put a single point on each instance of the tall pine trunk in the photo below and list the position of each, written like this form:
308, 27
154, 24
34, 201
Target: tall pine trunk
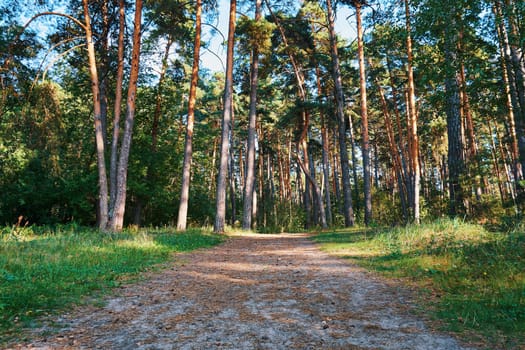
188, 146
117, 110
456, 161
415, 180
250, 154
220, 215
348, 211
326, 152
365, 142
102, 206
117, 219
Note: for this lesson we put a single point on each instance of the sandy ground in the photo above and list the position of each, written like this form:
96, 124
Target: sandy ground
253, 292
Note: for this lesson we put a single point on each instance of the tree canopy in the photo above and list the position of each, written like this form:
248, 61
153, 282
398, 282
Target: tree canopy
418, 113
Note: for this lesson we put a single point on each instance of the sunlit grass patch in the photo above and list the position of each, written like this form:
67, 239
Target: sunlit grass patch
477, 278
44, 271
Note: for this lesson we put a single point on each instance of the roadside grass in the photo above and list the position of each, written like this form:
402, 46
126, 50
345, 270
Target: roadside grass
44, 270
475, 279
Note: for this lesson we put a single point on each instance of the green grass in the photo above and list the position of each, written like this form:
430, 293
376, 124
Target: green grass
43, 270
476, 278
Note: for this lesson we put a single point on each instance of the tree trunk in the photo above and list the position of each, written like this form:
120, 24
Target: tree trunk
337, 183
455, 145
412, 126
510, 92
117, 220
512, 56
220, 215
317, 192
343, 153
252, 129
231, 170
104, 68
117, 110
188, 145
102, 206
365, 142
496, 165
325, 145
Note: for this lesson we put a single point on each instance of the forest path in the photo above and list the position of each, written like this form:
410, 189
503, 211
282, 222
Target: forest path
252, 292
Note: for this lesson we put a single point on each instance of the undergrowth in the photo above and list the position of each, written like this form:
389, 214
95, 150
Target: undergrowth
476, 278
45, 269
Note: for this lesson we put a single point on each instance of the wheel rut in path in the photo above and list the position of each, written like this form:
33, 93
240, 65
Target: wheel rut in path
252, 292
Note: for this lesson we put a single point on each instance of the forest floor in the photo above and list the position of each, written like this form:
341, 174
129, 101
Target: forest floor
252, 292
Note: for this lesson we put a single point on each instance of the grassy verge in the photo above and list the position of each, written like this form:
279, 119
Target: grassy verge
43, 270
475, 278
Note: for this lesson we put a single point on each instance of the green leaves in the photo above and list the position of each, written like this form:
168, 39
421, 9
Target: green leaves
252, 33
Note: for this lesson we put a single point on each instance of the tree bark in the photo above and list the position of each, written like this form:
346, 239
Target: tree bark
365, 142
117, 111
220, 215
343, 153
515, 68
325, 154
252, 129
510, 92
455, 144
117, 220
104, 68
102, 206
413, 133
188, 145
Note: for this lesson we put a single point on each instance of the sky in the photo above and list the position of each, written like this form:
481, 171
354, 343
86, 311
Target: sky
209, 60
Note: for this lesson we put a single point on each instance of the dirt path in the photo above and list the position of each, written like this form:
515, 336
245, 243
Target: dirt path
253, 292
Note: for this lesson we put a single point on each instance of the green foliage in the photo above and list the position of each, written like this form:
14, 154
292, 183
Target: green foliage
44, 269
476, 277
254, 33
282, 217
